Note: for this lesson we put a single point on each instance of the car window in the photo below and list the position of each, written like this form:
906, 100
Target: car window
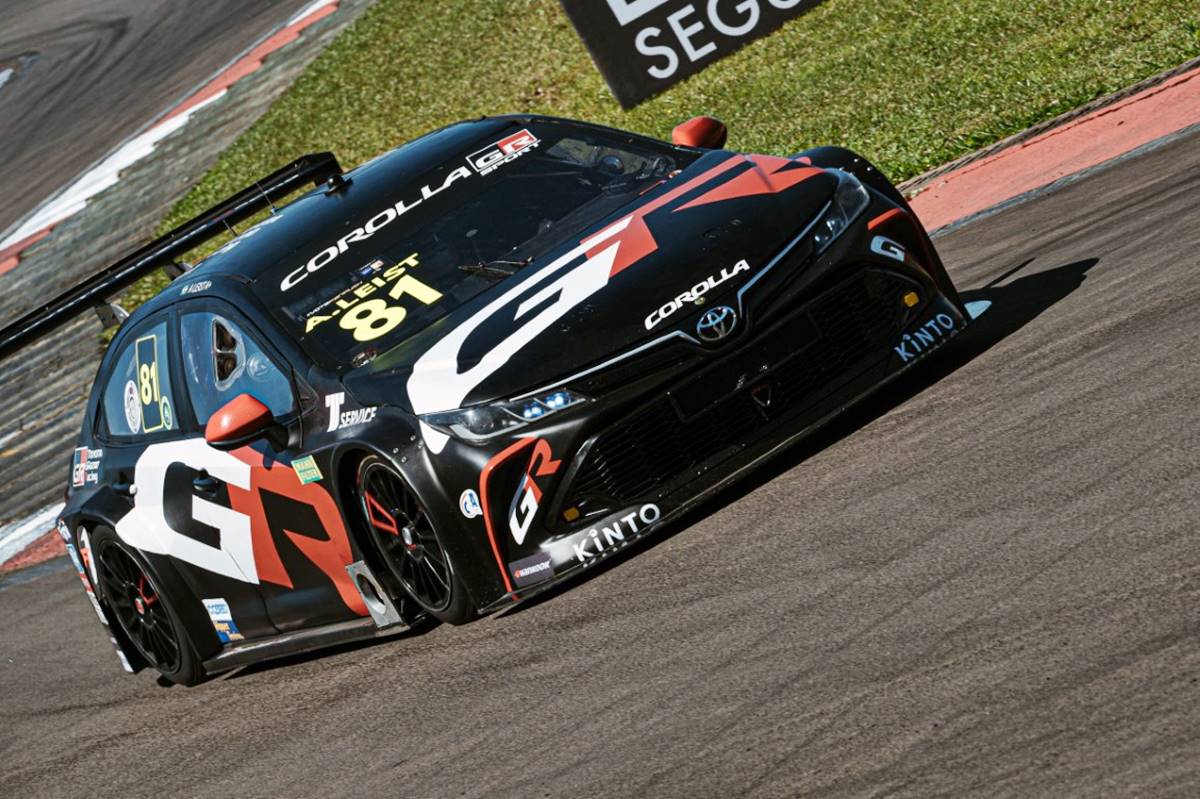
137, 397
424, 248
221, 361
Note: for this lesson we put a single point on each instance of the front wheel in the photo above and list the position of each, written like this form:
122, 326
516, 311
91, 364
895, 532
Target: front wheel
404, 536
143, 611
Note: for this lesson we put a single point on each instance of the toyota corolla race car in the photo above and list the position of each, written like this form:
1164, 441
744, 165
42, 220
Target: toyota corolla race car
464, 372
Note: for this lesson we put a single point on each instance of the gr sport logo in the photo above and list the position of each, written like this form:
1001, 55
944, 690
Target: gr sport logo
510, 148
882, 245
528, 499
262, 504
86, 466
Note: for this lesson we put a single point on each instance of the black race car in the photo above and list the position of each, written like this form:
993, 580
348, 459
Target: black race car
462, 373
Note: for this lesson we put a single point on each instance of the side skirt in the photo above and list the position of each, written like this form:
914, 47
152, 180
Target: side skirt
298, 642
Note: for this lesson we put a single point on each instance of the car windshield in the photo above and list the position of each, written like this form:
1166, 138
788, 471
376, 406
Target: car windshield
435, 243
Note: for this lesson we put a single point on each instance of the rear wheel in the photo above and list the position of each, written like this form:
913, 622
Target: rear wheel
404, 536
142, 610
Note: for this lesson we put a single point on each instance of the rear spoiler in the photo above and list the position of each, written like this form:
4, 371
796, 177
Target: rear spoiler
163, 253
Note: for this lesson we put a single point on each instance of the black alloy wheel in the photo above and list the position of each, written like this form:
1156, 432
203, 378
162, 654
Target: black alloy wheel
404, 535
139, 607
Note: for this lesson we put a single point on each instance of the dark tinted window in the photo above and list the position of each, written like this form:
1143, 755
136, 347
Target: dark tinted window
137, 397
221, 361
437, 243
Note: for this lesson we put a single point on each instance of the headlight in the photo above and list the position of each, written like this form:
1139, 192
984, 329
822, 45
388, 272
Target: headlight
849, 200
481, 422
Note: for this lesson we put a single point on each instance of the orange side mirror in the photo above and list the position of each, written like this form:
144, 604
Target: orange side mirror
704, 132
239, 421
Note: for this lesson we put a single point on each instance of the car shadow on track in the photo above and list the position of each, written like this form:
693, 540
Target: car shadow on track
1013, 306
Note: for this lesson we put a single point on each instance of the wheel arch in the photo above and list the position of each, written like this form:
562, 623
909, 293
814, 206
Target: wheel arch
104, 510
830, 157
345, 466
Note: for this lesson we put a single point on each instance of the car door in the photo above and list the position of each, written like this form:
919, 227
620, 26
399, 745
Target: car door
274, 501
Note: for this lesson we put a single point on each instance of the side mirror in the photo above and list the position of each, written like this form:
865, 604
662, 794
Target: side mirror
240, 421
704, 132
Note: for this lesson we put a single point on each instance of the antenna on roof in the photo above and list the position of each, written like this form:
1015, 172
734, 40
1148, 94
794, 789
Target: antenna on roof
266, 197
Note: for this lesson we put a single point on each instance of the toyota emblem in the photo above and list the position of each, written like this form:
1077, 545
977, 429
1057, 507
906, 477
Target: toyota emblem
716, 323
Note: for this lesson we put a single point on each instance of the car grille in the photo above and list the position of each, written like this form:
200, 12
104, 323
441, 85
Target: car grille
672, 439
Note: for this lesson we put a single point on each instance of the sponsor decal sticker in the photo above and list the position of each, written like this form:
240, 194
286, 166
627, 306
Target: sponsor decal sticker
155, 408
928, 336
339, 419
882, 245
468, 503
222, 620
368, 319
373, 225
534, 569
77, 562
195, 288
527, 500
133, 408
611, 533
695, 294
85, 467
508, 149
307, 470
85, 552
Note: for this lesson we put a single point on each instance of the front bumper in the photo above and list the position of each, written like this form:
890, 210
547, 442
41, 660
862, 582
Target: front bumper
673, 424
636, 471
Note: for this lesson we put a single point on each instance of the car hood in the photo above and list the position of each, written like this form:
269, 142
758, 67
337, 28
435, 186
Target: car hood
631, 278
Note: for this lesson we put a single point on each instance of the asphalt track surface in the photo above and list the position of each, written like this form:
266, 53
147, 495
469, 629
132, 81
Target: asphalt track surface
984, 582
90, 73
47, 386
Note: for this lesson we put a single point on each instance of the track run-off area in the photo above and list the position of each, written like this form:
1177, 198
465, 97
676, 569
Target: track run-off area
982, 581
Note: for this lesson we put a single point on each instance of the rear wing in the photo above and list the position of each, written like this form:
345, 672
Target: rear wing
164, 252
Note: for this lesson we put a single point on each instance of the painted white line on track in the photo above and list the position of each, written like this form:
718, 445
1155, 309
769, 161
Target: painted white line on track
20, 534
105, 174
309, 10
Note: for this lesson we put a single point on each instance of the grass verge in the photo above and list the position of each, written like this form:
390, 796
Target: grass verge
910, 85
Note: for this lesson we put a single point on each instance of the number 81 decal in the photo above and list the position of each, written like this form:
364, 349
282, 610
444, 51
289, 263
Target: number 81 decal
156, 409
370, 319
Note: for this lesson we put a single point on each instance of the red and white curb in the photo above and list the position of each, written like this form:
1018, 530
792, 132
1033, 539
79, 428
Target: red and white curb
107, 172
20, 536
1076, 146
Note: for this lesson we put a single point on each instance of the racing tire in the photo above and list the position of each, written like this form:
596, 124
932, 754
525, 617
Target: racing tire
144, 612
403, 534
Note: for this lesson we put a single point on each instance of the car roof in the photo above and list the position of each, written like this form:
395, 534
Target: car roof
313, 215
